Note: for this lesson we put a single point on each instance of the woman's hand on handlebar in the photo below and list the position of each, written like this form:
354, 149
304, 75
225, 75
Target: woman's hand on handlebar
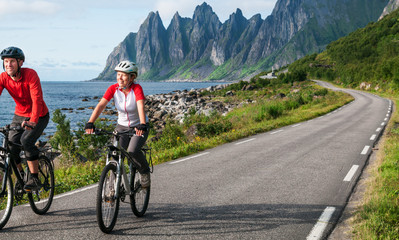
90, 128
140, 129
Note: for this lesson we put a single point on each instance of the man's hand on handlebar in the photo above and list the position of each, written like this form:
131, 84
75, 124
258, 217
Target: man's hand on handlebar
28, 125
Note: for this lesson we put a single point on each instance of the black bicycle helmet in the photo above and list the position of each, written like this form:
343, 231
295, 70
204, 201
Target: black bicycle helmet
12, 52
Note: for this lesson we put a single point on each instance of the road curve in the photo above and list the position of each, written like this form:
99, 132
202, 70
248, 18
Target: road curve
289, 183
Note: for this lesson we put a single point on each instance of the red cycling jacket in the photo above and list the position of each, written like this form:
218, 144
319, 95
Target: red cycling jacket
27, 94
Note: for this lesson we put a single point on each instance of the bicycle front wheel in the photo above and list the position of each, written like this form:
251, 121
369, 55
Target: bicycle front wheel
107, 205
6, 196
141, 196
40, 200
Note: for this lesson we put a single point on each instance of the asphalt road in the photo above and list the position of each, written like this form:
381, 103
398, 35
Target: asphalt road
290, 183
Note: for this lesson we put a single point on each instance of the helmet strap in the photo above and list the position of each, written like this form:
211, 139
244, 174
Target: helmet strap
127, 86
19, 70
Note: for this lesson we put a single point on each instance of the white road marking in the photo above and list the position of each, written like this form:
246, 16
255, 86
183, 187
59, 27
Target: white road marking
383, 123
373, 137
296, 125
385, 119
351, 172
245, 141
378, 129
365, 150
276, 132
318, 229
76, 191
185, 159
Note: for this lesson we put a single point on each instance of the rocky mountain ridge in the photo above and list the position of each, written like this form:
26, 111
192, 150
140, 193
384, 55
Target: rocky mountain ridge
202, 47
391, 6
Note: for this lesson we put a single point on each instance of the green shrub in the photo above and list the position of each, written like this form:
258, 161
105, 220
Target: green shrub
291, 104
172, 136
275, 109
90, 146
62, 139
321, 92
261, 114
214, 127
237, 86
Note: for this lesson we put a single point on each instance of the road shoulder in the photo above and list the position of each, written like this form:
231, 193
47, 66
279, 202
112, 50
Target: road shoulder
343, 229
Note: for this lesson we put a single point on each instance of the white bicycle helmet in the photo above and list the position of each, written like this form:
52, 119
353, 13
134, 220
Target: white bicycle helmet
127, 67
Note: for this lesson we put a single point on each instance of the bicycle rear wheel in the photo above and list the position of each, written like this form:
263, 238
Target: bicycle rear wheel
40, 200
107, 206
6, 196
141, 196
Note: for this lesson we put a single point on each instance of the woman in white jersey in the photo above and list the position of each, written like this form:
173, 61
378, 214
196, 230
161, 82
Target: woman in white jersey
129, 101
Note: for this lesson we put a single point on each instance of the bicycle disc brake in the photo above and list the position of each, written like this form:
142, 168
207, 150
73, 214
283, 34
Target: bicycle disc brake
19, 191
123, 194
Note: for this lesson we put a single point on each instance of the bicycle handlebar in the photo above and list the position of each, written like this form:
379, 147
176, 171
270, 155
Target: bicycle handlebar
8, 128
114, 133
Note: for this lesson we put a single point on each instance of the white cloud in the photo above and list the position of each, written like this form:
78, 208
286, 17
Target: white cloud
168, 8
18, 7
223, 9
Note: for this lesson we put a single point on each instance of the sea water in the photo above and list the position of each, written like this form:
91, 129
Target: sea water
76, 97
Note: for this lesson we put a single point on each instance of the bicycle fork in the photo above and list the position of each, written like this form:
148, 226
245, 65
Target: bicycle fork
121, 177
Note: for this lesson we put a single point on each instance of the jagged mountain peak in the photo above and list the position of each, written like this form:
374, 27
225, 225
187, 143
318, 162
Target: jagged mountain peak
204, 12
176, 16
152, 16
202, 47
236, 16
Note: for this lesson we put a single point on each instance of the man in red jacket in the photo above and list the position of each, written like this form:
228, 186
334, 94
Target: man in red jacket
31, 111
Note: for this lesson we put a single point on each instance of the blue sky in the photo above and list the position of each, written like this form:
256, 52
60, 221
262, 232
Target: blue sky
70, 40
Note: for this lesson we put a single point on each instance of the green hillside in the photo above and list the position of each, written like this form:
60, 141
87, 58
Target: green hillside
369, 55
368, 59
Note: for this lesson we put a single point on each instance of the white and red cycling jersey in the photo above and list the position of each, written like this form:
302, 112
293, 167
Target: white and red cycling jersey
126, 105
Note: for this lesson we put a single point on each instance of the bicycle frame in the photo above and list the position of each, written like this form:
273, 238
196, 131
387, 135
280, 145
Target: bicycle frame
4, 149
121, 176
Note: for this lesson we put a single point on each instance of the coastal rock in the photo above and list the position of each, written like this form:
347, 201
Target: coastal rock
161, 107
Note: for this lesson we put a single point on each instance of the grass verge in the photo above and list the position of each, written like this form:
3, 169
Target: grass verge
377, 216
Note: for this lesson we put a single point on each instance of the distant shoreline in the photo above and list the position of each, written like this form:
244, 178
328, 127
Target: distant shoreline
196, 81
170, 80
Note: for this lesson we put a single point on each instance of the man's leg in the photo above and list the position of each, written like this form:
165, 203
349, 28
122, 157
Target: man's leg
28, 140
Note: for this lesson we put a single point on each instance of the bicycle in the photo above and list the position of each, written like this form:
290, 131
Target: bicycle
40, 200
119, 180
